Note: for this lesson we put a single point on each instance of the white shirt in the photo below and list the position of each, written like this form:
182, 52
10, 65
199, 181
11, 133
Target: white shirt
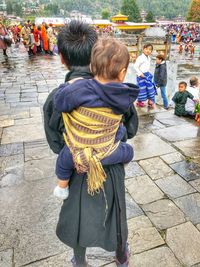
142, 64
190, 105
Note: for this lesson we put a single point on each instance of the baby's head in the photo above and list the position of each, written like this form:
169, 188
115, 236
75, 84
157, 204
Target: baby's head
109, 60
194, 81
182, 86
147, 49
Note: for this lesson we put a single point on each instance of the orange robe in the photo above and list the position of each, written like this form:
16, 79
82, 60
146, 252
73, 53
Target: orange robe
44, 38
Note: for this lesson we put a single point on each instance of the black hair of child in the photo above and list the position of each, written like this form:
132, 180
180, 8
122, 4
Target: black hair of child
75, 42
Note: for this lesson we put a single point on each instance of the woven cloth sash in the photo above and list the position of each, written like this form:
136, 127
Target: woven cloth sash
90, 136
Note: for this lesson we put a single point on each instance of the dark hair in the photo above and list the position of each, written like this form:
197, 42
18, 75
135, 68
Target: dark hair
161, 57
75, 43
148, 45
184, 83
39, 28
108, 58
194, 81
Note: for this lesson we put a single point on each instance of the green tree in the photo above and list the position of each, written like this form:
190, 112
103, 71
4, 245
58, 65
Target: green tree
150, 17
194, 11
9, 7
105, 13
130, 9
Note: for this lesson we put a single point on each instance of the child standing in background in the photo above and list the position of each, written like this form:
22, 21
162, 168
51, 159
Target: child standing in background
160, 78
145, 78
180, 99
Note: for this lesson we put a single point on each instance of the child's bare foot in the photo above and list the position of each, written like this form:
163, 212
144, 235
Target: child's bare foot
61, 193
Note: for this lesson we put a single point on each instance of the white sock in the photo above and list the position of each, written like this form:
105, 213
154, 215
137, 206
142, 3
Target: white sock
60, 192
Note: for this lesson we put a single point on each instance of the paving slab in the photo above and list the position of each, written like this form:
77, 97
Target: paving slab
188, 170
169, 119
148, 123
144, 148
11, 149
38, 241
39, 169
11, 170
195, 184
140, 187
146, 110
158, 257
178, 133
190, 205
190, 148
133, 169
37, 150
156, 168
6, 258
6, 123
174, 186
132, 209
22, 133
30, 203
184, 241
142, 235
164, 214
173, 157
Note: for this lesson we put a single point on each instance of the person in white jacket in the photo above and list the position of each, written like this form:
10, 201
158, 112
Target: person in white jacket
194, 90
145, 78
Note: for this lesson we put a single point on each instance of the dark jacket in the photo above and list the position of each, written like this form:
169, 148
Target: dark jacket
90, 93
53, 122
160, 74
180, 99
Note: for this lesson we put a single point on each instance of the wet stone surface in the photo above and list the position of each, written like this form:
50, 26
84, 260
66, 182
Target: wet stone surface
156, 168
190, 148
174, 186
133, 169
185, 246
188, 170
190, 205
164, 214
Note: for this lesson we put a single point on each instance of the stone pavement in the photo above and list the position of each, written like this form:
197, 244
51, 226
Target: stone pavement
163, 181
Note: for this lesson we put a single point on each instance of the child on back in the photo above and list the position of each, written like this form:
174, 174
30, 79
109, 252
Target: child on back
180, 99
145, 78
92, 113
160, 78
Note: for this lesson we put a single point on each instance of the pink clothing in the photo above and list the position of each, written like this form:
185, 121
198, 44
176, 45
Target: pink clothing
2, 43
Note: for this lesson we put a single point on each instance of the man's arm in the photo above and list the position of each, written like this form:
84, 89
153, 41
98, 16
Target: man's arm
130, 120
53, 125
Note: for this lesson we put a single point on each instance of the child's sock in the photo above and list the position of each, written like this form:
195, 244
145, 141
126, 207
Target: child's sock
61, 193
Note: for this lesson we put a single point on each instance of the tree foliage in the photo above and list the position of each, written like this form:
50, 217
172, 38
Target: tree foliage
150, 17
130, 9
169, 9
194, 11
105, 13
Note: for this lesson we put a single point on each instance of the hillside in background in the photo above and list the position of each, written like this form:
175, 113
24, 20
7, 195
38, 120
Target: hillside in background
169, 8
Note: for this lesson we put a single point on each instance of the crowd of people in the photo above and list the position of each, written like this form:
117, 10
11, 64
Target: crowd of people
184, 33
40, 39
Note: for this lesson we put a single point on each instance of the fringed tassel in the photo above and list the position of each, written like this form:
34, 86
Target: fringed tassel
96, 176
